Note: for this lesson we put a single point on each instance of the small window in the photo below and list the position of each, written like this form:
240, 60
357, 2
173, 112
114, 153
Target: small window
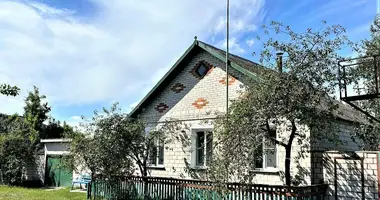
156, 155
201, 70
203, 148
266, 153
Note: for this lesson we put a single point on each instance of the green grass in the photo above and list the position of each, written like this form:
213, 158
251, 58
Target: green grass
19, 193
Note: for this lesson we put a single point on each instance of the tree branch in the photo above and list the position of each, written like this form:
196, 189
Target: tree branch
271, 138
293, 133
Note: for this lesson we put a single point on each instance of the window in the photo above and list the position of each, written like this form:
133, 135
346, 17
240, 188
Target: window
202, 144
201, 70
266, 153
156, 155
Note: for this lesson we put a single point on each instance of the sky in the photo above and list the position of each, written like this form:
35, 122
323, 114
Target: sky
88, 54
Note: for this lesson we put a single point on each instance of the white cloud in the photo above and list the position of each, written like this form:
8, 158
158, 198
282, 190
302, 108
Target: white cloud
336, 7
234, 46
245, 17
76, 118
75, 122
107, 57
250, 42
50, 11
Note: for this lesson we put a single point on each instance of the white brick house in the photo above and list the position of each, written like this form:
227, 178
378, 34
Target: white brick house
193, 90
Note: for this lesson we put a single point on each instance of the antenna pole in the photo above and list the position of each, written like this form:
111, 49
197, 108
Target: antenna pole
227, 60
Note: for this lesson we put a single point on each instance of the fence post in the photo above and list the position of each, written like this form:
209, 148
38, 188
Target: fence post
89, 185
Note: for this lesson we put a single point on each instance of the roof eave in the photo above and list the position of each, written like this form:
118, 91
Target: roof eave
232, 64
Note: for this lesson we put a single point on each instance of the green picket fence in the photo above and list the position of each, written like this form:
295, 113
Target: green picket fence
157, 188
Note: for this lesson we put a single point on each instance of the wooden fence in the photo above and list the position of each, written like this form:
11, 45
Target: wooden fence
159, 188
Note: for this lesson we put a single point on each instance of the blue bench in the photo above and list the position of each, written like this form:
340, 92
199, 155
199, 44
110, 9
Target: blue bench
82, 179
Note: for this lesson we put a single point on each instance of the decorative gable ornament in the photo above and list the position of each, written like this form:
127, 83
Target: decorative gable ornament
161, 107
200, 103
231, 80
178, 87
201, 69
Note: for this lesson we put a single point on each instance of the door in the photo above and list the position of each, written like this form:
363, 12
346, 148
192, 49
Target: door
56, 174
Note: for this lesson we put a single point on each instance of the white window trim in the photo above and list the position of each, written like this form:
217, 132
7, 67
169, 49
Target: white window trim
157, 157
264, 157
193, 160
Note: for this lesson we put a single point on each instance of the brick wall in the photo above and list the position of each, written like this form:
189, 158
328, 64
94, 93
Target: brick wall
332, 161
177, 101
344, 134
181, 104
346, 169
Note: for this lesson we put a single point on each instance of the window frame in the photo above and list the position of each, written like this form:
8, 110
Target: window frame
205, 72
264, 157
194, 158
157, 157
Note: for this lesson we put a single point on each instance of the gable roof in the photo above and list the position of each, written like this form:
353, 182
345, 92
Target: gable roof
245, 66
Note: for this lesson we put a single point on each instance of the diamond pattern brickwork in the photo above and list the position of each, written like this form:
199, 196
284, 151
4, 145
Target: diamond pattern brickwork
193, 71
161, 107
231, 80
200, 103
178, 87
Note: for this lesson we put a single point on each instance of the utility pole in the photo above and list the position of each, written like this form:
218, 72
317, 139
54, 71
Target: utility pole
227, 60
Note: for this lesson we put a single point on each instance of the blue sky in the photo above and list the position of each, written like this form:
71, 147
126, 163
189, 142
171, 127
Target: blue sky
87, 54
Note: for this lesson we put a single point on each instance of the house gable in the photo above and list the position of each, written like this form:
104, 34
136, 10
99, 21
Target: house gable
240, 69
188, 96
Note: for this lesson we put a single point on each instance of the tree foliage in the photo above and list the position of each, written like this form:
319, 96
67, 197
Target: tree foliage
55, 129
14, 156
16, 149
36, 110
113, 144
8, 90
361, 76
104, 146
292, 102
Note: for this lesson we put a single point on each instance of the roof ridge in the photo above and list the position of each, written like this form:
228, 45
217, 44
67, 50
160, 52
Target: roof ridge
231, 54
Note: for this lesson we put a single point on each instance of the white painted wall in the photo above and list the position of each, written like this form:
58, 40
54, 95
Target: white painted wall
56, 148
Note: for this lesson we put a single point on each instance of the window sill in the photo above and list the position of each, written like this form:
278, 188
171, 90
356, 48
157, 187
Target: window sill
156, 167
266, 171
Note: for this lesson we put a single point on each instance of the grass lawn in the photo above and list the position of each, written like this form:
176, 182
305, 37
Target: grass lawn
18, 193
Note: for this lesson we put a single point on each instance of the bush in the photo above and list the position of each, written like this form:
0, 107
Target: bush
14, 154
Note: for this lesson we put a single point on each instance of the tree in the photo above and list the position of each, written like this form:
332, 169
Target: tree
288, 102
14, 156
103, 148
362, 77
20, 136
147, 143
54, 129
372, 46
16, 148
114, 144
36, 111
8, 90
